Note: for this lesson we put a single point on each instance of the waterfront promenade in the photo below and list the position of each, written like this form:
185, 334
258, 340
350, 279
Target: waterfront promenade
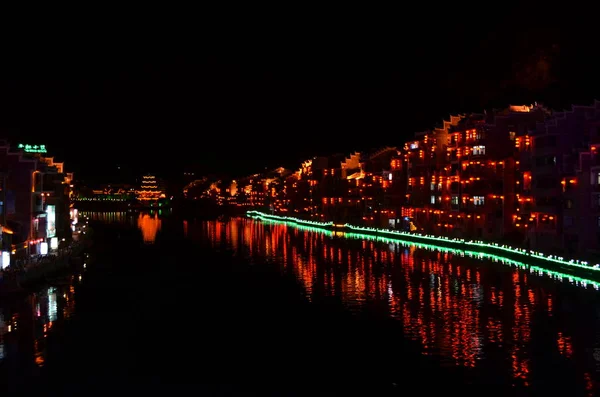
558, 267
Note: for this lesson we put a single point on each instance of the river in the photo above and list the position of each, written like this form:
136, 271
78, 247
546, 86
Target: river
244, 306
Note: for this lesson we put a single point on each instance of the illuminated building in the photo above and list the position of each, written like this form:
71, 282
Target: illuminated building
150, 190
56, 198
565, 173
329, 187
21, 213
298, 197
420, 168
395, 193
35, 200
215, 192
338, 187
106, 193
463, 178
195, 189
521, 175
377, 179
265, 190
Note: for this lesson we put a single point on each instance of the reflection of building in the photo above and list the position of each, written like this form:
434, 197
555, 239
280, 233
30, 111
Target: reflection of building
439, 298
110, 217
149, 225
25, 324
151, 189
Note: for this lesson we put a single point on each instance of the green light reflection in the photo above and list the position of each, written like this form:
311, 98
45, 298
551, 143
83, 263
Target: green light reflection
536, 270
326, 232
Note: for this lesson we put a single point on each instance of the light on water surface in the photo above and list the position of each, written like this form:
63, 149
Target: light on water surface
457, 305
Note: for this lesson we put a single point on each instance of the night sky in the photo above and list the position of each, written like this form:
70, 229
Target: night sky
235, 99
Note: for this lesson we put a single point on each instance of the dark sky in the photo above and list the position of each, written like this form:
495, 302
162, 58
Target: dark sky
237, 98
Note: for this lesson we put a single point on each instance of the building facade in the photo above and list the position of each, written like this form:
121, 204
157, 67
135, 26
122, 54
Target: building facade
521, 175
35, 207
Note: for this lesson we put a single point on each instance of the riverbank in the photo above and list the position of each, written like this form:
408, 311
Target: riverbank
443, 315
48, 266
20, 276
520, 256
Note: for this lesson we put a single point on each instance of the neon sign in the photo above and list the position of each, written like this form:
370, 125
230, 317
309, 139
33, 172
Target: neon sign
32, 148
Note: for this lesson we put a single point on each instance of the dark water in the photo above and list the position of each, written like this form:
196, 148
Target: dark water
243, 307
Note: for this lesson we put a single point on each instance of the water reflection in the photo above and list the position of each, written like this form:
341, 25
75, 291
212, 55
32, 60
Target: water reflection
26, 323
149, 224
503, 322
123, 217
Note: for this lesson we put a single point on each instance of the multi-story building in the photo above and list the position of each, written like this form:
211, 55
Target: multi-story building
376, 179
521, 175
423, 169
581, 194
564, 182
462, 178
265, 191
337, 187
395, 195
35, 204
22, 209
297, 196
252, 191
56, 199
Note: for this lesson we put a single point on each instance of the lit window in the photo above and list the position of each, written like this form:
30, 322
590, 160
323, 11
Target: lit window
478, 200
454, 200
598, 178
432, 199
478, 150
432, 187
512, 135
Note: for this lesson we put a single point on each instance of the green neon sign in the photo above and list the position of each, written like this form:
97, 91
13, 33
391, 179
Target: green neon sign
32, 148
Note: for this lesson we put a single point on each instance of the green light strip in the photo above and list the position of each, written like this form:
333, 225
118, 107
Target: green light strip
290, 219
298, 226
396, 236
481, 255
